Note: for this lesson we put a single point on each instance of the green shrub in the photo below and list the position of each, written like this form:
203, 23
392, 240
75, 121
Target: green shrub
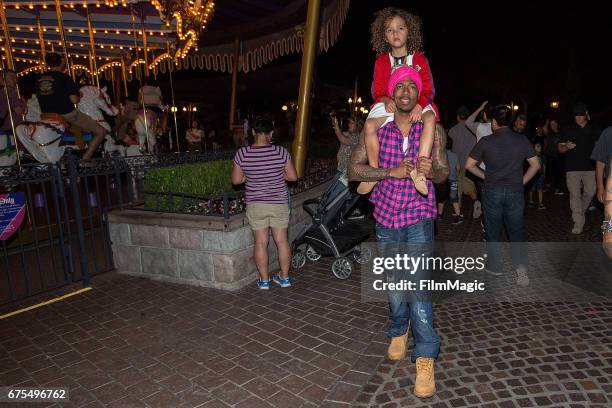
196, 179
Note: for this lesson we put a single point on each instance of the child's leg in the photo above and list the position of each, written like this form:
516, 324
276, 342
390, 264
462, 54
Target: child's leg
370, 133
425, 147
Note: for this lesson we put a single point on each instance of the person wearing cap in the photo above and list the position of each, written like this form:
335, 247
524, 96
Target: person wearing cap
577, 141
463, 143
403, 216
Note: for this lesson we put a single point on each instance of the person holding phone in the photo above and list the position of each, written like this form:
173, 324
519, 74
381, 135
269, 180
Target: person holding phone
577, 142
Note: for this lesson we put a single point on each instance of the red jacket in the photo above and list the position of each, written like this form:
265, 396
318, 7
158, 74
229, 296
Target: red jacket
382, 73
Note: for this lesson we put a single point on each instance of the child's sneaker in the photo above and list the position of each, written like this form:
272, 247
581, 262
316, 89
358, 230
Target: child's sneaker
264, 285
419, 182
283, 282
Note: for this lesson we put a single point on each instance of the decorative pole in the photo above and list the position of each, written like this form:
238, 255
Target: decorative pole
144, 45
60, 22
233, 100
311, 47
174, 108
7, 38
144, 108
41, 39
93, 67
10, 115
124, 75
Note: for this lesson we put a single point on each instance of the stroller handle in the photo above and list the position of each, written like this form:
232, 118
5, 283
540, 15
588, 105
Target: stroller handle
306, 205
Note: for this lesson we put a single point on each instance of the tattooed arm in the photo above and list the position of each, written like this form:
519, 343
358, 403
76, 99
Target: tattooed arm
358, 167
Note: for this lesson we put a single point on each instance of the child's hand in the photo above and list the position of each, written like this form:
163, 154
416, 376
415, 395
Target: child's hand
417, 111
389, 105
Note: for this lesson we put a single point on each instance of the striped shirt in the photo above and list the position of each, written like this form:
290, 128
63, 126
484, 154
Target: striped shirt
264, 168
397, 203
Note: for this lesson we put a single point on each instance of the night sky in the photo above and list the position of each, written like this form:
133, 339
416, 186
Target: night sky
530, 54
526, 53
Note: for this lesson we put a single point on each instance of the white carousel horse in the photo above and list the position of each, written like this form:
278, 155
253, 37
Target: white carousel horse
42, 138
147, 132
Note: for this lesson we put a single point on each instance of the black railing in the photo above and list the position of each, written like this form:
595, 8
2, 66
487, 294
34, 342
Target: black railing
65, 236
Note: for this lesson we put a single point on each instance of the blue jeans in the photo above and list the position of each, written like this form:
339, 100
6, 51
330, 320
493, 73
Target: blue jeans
503, 206
419, 312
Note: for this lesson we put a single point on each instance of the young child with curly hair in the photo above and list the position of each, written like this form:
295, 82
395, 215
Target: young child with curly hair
396, 37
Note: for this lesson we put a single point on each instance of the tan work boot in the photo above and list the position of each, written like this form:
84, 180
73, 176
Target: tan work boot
425, 384
419, 182
366, 186
397, 347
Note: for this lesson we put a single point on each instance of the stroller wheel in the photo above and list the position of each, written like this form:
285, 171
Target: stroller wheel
342, 268
298, 260
312, 255
363, 255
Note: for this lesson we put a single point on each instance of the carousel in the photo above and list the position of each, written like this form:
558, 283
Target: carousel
108, 45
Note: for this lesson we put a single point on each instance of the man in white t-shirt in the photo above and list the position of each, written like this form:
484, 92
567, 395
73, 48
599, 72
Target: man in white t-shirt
480, 129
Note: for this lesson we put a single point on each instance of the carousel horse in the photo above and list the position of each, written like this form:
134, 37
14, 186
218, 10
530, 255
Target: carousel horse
148, 131
45, 137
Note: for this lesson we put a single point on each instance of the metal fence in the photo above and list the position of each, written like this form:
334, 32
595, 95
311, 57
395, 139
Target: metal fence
64, 238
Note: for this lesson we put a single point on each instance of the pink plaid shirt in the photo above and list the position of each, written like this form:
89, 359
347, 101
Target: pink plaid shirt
397, 203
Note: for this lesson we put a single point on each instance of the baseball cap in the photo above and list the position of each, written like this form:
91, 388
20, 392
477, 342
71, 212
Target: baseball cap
580, 109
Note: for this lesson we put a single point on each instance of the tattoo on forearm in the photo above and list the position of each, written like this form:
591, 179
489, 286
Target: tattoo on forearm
358, 167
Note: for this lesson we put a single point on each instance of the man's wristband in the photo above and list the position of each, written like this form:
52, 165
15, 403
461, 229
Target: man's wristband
606, 227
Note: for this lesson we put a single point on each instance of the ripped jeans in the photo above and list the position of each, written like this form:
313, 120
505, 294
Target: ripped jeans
417, 239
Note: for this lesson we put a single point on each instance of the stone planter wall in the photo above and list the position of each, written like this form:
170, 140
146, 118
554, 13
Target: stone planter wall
194, 250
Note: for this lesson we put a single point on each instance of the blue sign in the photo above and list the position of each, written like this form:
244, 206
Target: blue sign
12, 213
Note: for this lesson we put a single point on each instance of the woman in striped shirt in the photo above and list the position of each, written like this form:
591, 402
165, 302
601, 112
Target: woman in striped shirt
266, 168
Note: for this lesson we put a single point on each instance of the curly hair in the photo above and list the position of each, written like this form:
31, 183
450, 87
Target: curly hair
377, 30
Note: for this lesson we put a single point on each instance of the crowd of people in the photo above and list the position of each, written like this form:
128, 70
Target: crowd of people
413, 169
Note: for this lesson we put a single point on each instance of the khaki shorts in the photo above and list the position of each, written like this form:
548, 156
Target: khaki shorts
262, 215
465, 185
81, 120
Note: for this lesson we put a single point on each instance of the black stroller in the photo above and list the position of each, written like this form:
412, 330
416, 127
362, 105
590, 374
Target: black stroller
330, 233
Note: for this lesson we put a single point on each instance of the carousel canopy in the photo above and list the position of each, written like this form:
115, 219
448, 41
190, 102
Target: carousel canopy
193, 34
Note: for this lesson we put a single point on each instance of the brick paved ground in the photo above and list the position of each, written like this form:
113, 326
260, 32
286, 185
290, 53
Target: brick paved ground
135, 343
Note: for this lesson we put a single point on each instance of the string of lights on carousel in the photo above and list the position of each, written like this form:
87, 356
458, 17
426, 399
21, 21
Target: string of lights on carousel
203, 10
